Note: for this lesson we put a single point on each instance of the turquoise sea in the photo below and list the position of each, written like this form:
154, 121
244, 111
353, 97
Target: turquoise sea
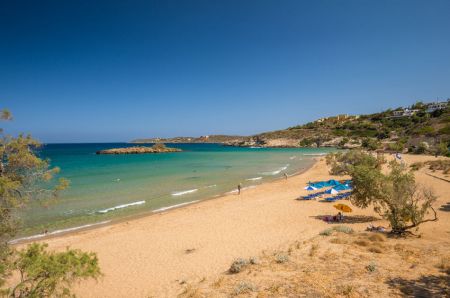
106, 187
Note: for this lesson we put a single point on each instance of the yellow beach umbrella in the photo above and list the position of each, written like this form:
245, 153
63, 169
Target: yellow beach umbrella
343, 208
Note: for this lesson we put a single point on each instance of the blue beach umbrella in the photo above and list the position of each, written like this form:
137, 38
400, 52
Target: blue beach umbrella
331, 191
309, 187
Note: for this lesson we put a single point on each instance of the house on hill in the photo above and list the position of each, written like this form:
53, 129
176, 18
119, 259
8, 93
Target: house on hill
435, 106
403, 113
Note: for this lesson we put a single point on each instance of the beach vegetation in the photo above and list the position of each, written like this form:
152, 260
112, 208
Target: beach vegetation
372, 267
370, 144
393, 194
326, 232
244, 287
24, 177
238, 265
281, 257
342, 163
46, 274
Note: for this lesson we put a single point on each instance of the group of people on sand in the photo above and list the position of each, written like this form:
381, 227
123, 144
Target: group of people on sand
336, 218
372, 228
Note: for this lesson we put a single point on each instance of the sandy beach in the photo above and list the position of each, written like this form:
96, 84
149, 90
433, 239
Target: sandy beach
154, 256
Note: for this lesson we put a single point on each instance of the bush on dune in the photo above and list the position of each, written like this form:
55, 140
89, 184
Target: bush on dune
393, 194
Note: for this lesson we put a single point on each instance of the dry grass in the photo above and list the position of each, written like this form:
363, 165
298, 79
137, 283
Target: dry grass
363, 270
375, 249
444, 264
314, 248
191, 291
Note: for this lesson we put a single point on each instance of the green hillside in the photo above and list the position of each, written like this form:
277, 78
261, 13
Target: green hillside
421, 128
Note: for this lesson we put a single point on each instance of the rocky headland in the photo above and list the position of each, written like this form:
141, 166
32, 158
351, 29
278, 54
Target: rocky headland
157, 148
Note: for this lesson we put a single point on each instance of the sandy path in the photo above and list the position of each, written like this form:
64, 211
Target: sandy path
146, 257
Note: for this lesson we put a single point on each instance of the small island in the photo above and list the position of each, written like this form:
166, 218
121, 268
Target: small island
157, 148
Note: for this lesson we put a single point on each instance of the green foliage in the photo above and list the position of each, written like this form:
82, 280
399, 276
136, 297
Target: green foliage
442, 149
341, 229
418, 106
326, 232
25, 177
306, 142
426, 130
397, 146
445, 130
343, 142
422, 148
340, 132
393, 195
342, 163
44, 274
370, 144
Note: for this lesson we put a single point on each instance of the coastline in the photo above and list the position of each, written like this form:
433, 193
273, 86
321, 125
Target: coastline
159, 255
95, 225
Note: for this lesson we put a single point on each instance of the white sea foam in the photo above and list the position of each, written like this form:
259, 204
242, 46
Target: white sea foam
180, 193
212, 185
121, 207
315, 154
174, 206
254, 179
276, 172
293, 157
58, 232
255, 147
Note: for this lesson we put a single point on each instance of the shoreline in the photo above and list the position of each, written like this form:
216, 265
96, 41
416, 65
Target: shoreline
159, 255
111, 222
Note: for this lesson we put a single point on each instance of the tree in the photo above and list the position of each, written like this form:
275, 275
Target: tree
342, 163
442, 149
24, 177
370, 144
394, 194
44, 274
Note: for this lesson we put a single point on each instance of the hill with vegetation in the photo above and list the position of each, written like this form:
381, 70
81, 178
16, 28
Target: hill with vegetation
421, 128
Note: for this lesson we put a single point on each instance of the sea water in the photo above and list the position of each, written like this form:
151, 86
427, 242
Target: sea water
106, 187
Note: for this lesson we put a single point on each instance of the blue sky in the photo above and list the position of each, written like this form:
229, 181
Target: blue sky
87, 71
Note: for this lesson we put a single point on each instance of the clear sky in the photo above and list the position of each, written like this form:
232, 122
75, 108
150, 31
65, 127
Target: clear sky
117, 70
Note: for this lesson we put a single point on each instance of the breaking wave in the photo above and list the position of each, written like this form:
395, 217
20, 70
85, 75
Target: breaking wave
184, 192
121, 207
58, 232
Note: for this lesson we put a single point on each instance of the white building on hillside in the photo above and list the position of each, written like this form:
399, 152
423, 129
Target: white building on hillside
434, 106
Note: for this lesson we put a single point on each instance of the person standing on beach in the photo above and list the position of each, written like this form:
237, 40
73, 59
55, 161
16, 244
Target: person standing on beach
239, 188
285, 176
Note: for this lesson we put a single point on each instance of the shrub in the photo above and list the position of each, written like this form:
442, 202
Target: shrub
327, 232
372, 267
45, 274
244, 287
342, 163
237, 265
343, 229
281, 258
370, 144
394, 195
